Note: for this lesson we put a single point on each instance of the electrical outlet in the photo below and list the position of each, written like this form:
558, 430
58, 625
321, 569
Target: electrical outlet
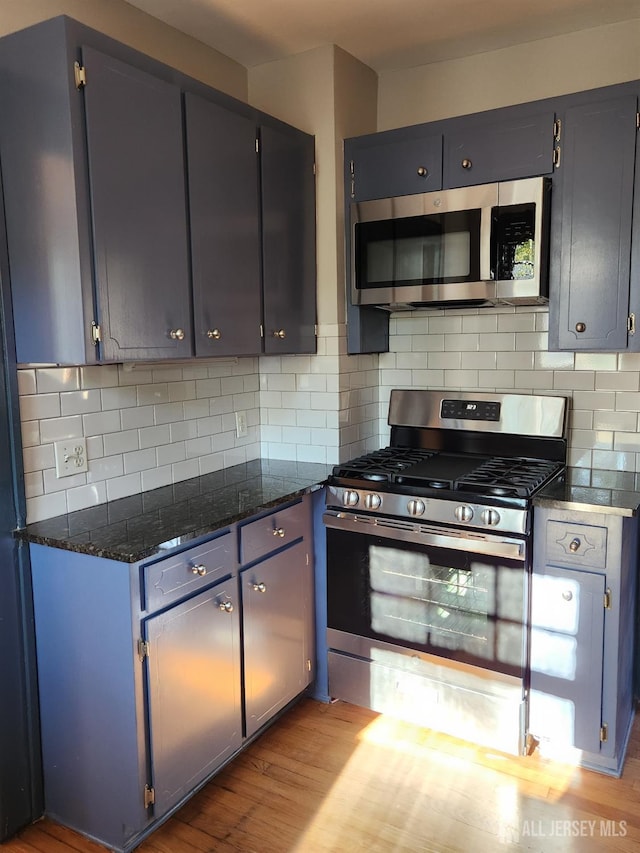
241, 424
70, 456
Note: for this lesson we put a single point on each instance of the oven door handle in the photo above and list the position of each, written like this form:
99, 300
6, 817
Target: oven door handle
422, 534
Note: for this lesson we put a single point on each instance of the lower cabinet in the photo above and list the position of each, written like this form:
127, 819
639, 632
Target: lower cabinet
582, 626
152, 675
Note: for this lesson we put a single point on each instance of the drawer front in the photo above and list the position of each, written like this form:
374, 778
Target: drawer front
577, 544
178, 576
266, 534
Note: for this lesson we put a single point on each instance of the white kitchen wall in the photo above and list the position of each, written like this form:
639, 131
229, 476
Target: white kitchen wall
146, 426
505, 349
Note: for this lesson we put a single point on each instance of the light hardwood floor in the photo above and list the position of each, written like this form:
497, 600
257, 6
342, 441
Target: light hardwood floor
342, 779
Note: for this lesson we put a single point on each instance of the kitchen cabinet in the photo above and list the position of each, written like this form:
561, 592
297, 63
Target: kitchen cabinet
107, 262
582, 615
277, 603
225, 229
153, 674
516, 143
592, 304
288, 240
392, 163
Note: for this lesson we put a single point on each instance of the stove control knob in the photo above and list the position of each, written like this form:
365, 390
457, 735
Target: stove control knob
350, 498
490, 517
372, 501
416, 507
463, 513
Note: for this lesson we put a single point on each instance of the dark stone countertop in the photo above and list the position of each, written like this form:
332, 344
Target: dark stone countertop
594, 490
147, 524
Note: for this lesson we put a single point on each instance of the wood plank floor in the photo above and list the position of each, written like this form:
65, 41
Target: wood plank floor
337, 779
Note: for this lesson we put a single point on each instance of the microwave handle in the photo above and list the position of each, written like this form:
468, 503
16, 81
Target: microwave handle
485, 243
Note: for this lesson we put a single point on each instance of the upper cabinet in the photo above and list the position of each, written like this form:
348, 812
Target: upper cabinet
138, 211
135, 199
393, 163
500, 148
225, 228
288, 241
594, 302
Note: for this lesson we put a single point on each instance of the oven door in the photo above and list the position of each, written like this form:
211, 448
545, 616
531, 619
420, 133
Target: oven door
452, 594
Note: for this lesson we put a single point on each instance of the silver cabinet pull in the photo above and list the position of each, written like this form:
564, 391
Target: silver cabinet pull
214, 334
176, 334
567, 595
466, 164
574, 545
279, 531
259, 587
581, 327
199, 569
279, 333
227, 606
422, 172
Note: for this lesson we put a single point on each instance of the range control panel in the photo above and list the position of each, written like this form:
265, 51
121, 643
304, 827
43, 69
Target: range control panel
473, 410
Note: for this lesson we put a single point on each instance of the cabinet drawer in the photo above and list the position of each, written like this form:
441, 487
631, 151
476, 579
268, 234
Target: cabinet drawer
577, 544
168, 580
261, 537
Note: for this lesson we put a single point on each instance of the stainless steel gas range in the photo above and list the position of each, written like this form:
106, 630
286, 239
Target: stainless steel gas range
429, 561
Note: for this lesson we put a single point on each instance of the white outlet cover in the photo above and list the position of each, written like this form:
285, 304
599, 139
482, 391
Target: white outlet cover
70, 456
241, 424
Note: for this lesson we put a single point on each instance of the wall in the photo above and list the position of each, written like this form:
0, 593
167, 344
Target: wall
129, 25
527, 72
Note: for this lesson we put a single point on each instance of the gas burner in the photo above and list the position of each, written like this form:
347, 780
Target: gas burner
438, 484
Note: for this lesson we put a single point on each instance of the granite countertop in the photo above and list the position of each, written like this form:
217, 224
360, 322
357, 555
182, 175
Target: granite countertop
147, 524
593, 490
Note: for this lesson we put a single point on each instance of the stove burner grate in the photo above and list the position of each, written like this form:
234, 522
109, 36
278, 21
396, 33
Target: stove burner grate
381, 465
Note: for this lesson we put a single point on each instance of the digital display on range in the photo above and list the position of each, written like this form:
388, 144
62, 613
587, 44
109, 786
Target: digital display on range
471, 410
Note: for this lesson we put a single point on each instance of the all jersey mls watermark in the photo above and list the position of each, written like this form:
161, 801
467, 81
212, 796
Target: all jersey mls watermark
573, 828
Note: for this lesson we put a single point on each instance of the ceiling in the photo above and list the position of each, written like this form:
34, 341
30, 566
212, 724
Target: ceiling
384, 34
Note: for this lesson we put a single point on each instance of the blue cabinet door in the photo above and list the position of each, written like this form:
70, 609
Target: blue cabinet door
567, 631
593, 194
224, 210
276, 618
193, 671
138, 208
394, 163
505, 148
288, 241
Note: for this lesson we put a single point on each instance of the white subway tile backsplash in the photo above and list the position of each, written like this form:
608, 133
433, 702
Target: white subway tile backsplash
122, 487
154, 436
119, 398
151, 395
46, 506
102, 422
54, 379
139, 460
59, 429
596, 361
52, 483
30, 433
80, 402
99, 376
167, 413
623, 421
33, 484
34, 407
27, 382
121, 442
84, 496
617, 381
105, 468
141, 416
155, 478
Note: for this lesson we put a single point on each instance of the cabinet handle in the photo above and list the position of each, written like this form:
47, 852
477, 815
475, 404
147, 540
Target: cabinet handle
177, 334
567, 595
581, 327
214, 334
199, 570
279, 333
466, 164
279, 531
259, 587
574, 545
422, 172
227, 606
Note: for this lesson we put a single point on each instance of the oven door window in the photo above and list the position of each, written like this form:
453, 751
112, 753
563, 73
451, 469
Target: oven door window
418, 250
454, 604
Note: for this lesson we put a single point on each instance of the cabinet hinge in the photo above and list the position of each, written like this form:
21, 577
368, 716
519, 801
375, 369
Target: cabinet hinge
637, 121
557, 129
604, 733
143, 649
261, 330
631, 323
352, 170
315, 330
314, 168
80, 74
308, 664
149, 796
556, 156
607, 600
257, 145
96, 333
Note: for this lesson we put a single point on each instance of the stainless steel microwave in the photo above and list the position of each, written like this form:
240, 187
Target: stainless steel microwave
478, 245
